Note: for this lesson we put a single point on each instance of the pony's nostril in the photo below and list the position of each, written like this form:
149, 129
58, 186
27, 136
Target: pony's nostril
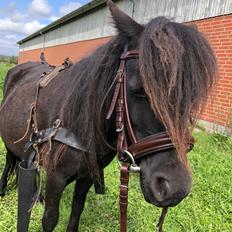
161, 188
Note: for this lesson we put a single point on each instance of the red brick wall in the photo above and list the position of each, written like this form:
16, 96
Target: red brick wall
55, 55
218, 30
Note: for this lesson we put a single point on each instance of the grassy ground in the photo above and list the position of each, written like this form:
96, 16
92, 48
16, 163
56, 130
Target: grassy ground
208, 208
3, 70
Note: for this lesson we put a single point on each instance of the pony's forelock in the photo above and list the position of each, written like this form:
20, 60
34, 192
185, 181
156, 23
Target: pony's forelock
178, 68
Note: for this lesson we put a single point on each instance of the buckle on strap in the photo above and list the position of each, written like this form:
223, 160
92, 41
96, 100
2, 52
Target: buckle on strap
133, 167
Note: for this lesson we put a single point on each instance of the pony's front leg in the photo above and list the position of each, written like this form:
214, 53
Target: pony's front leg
55, 185
81, 189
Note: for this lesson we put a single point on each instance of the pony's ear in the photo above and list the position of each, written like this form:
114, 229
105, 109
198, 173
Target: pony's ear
124, 23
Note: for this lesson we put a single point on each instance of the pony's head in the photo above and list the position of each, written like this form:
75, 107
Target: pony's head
166, 87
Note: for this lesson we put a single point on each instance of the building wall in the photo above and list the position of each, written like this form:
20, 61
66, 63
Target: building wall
218, 30
79, 38
55, 55
97, 24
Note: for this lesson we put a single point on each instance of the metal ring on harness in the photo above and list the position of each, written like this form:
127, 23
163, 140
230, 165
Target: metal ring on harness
133, 167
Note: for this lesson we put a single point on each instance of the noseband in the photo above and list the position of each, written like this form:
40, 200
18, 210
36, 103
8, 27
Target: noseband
137, 148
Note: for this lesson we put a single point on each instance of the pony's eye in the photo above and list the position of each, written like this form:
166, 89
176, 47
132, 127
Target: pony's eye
139, 93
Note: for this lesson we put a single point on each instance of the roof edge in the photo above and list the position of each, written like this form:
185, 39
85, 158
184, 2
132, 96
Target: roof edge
78, 12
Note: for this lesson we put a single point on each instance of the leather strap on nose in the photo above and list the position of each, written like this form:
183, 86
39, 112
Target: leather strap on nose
151, 144
155, 143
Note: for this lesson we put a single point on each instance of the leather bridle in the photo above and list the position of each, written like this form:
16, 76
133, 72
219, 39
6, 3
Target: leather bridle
138, 148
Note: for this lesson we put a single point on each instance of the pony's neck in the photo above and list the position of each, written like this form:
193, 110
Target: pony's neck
92, 78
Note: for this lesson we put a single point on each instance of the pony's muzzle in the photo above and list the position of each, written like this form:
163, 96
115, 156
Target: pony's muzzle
166, 193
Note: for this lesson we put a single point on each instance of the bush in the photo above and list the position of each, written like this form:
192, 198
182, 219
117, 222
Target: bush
9, 59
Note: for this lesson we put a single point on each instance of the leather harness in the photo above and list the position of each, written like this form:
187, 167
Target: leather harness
138, 148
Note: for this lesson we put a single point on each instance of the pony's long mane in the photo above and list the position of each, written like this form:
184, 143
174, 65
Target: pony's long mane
92, 77
178, 68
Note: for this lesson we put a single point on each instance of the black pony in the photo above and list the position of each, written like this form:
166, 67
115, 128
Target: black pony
166, 87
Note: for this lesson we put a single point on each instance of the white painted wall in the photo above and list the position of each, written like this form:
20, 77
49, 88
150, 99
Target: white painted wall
97, 24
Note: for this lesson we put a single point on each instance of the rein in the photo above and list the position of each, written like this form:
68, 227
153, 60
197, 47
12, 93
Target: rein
137, 148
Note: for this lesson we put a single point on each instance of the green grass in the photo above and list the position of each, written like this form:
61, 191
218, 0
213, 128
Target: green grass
208, 208
3, 70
